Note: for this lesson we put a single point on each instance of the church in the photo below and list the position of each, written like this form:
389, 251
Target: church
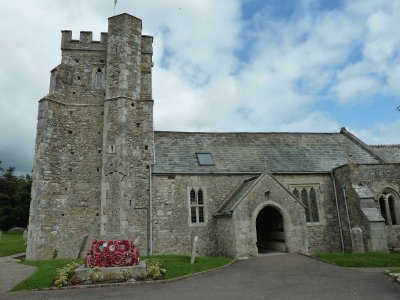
102, 172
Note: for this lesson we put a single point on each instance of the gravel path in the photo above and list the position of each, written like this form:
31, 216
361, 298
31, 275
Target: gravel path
11, 272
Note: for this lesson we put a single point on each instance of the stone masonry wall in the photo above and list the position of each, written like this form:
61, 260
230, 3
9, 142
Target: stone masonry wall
226, 236
376, 178
67, 168
81, 142
269, 192
380, 178
172, 229
322, 235
127, 131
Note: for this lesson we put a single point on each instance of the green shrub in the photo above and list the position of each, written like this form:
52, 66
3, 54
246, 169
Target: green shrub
65, 274
154, 269
94, 276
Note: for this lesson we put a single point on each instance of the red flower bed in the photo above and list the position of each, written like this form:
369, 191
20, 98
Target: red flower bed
112, 253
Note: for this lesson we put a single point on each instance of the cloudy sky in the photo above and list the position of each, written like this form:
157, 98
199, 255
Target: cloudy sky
226, 65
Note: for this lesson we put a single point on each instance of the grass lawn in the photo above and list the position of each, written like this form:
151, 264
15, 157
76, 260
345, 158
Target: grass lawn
179, 265
370, 259
396, 270
11, 243
43, 277
176, 265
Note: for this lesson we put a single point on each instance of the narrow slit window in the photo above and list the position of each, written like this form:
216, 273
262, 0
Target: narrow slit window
99, 79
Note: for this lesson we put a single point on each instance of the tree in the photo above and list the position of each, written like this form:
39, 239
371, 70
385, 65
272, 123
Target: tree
15, 197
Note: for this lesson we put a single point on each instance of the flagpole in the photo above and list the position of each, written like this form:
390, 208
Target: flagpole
115, 5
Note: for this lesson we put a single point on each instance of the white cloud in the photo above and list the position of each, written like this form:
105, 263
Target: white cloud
357, 88
213, 70
382, 133
375, 70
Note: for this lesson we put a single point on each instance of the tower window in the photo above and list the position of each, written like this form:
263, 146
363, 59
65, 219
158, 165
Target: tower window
99, 79
111, 149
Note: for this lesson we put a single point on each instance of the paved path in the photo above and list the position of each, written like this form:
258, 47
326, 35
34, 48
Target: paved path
11, 272
289, 276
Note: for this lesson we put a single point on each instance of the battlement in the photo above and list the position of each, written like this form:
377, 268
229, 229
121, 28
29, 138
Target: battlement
85, 41
147, 44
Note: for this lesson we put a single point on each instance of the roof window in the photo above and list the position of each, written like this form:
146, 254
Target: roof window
205, 159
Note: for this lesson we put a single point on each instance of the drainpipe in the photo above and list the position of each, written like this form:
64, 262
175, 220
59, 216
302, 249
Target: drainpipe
150, 222
337, 211
347, 212
150, 212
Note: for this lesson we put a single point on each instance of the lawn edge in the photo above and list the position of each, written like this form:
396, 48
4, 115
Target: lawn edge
163, 281
321, 259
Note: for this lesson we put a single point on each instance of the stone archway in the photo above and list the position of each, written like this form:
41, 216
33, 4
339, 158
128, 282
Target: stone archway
270, 230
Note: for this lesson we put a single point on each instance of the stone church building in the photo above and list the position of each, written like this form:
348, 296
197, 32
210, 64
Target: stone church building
101, 171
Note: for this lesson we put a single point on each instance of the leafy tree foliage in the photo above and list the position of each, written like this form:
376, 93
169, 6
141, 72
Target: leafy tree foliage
15, 197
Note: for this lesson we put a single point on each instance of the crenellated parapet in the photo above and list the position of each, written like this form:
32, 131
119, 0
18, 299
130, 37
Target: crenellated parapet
85, 41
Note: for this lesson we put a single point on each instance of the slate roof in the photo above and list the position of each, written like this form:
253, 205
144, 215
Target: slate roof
390, 153
244, 152
363, 192
230, 203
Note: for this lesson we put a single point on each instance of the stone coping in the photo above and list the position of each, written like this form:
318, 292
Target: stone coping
82, 271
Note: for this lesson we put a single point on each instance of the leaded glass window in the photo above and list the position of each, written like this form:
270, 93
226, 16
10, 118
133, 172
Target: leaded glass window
308, 196
197, 208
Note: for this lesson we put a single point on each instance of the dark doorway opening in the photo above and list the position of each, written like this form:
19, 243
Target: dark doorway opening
270, 230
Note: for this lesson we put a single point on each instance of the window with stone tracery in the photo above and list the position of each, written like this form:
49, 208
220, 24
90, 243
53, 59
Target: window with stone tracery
389, 206
197, 206
308, 196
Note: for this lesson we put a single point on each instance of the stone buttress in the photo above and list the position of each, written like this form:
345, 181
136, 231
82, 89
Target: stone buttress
127, 131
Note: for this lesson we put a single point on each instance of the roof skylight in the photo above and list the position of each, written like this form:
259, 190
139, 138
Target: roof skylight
205, 159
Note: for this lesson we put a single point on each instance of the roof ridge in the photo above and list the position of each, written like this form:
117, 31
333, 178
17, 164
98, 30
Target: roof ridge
246, 132
385, 145
363, 145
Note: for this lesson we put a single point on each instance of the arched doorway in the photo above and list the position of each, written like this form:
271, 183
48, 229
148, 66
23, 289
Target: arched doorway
270, 230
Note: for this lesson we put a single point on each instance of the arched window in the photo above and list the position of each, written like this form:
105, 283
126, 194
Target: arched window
383, 208
197, 207
313, 206
389, 206
304, 199
392, 209
296, 193
308, 196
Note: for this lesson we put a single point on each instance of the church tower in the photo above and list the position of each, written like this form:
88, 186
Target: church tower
94, 143
127, 130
